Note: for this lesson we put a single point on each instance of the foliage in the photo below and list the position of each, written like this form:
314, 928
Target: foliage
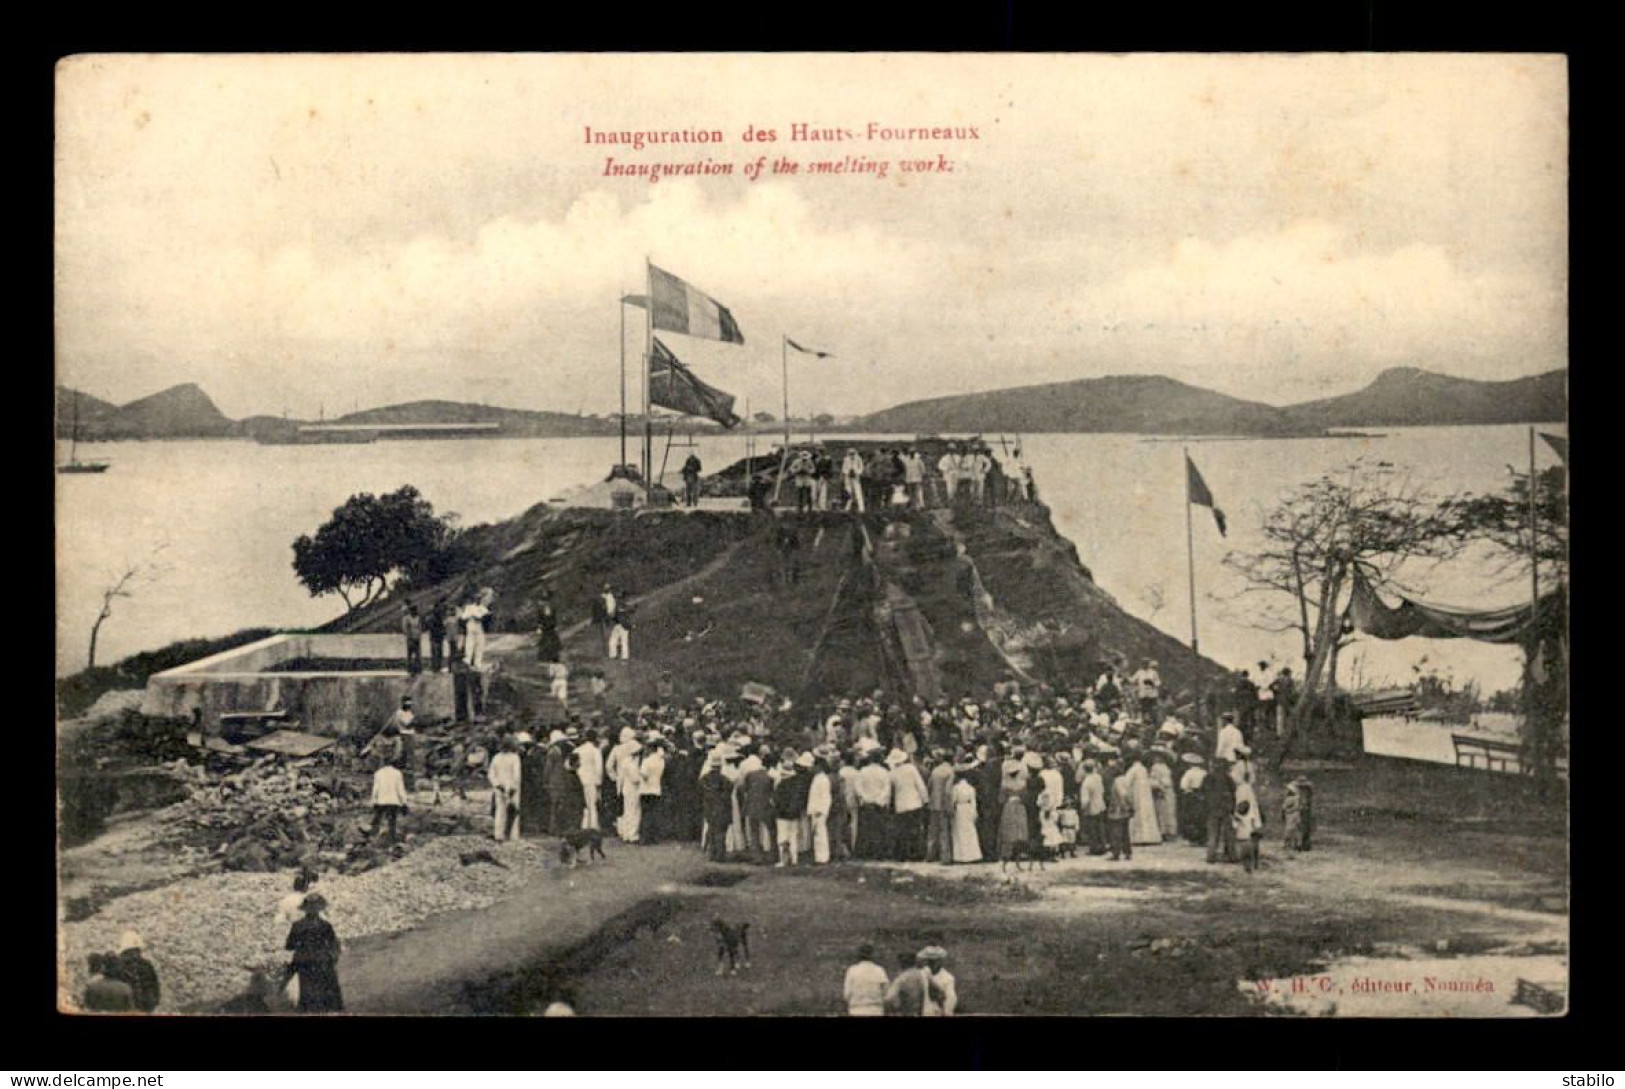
1501, 520
1368, 516
372, 540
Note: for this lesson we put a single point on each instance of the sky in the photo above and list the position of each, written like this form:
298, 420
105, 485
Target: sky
313, 234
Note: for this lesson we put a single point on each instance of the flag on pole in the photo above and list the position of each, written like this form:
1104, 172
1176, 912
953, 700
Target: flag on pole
674, 386
808, 351
1197, 492
1559, 444
679, 307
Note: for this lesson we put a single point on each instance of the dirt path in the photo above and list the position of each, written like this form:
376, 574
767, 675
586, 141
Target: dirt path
431, 968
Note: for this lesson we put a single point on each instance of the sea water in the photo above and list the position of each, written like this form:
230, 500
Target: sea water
211, 524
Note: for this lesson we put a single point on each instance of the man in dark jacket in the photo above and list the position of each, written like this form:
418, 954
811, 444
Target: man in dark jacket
756, 808
435, 625
789, 806
691, 481
1219, 796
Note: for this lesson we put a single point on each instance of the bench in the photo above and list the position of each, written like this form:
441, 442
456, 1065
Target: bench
1497, 755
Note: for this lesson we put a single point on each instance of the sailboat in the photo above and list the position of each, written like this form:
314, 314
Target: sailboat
74, 465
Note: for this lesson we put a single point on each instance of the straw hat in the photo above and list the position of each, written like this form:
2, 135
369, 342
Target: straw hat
130, 940
1193, 758
896, 757
805, 760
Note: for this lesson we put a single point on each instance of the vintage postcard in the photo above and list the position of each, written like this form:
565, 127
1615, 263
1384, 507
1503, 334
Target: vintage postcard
829, 534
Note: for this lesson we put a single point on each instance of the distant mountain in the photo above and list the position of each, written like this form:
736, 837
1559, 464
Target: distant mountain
92, 411
1155, 405
180, 412
514, 421
1139, 404
1411, 396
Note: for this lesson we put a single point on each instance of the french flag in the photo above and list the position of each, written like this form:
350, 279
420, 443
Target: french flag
679, 307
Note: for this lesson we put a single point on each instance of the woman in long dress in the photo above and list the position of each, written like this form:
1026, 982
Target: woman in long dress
1165, 793
315, 949
1012, 825
1143, 827
967, 846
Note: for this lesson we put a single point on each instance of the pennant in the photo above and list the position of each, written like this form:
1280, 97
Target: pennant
1559, 444
679, 307
674, 386
1196, 491
639, 301
808, 351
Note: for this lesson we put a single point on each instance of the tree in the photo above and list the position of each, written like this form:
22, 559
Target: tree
372, 540
1367, 516
1501, 521
148, 571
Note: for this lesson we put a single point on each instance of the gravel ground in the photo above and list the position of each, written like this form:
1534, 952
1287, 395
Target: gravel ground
204, 934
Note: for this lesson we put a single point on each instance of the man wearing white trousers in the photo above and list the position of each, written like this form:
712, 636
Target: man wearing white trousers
820, 795
504, 774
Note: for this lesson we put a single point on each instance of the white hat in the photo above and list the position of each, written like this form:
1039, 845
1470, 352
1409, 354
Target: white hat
524, 738
805, 760
896, 758
129, 940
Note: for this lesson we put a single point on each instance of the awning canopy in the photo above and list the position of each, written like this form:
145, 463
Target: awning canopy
1370, 615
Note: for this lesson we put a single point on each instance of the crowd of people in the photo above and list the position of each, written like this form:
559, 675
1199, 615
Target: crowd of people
1104, 769
904, 476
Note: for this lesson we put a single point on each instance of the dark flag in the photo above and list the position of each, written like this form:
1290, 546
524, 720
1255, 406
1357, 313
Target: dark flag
1559, 444
674, 386
808, 351
639, 301
679, 307
1196, 491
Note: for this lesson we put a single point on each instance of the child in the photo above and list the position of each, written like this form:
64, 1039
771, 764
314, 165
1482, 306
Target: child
1049, 826
1249, 831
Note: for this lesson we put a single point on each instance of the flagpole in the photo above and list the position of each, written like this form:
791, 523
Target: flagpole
1533, 650
648, 353
1190, 570
623, 378
784, 362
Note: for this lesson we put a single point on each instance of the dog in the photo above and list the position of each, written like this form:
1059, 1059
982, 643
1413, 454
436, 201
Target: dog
1031, 853
733, 946
588, 841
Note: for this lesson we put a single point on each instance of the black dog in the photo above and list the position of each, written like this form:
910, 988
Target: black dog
733, 945
572, 846
1031, 853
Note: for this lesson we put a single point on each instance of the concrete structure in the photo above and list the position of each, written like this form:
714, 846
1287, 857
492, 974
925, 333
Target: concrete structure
326, 702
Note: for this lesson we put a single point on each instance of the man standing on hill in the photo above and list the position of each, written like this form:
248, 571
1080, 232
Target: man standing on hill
914, 477
852, 480
948, 469
823, 473
1148, 691
691, 481
435, 625
412, 629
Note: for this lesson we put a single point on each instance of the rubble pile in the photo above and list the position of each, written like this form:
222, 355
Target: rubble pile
280, 815
204, 934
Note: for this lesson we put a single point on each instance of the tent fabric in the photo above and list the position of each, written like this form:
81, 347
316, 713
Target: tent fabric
1409, 618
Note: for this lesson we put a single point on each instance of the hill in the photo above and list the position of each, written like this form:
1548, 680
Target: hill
93, 411
1139, 404
1404, 396
514, 421
180, 412
946, 604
